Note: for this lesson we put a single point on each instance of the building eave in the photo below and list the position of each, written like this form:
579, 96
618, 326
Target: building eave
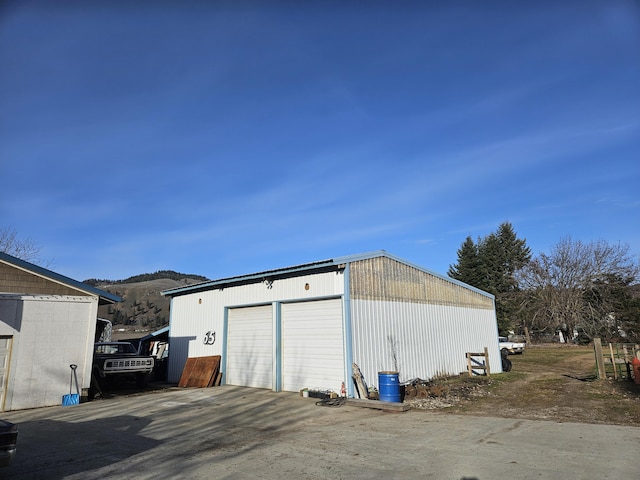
104, 297
306, 268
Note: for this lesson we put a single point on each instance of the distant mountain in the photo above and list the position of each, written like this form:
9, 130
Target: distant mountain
144, 277
143, 308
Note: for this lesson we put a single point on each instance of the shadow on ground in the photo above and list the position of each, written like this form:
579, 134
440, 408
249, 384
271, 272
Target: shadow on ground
50, 448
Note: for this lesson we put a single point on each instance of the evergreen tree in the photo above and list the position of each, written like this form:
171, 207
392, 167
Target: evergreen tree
491, 265
516, 254
467, 269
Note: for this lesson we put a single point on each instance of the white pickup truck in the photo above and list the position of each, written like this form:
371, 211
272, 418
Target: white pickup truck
510, 347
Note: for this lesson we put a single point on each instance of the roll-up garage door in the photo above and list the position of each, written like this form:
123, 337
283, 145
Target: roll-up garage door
250, 347
312, 345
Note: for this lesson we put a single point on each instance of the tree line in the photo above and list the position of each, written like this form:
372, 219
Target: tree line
585, 288
582, 290
145, 277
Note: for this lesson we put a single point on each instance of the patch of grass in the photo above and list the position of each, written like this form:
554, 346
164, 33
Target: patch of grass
554, 382
548, 382
537, 357
508, 377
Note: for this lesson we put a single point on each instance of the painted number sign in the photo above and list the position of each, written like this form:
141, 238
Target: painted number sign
209, 338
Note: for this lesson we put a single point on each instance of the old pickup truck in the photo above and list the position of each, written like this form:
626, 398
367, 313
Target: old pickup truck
121, 358
510, 347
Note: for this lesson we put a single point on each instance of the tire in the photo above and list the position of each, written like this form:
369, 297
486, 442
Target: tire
95, 388
142, 379
506, 364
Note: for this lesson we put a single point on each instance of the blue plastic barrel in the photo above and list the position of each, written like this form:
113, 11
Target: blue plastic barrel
389, 386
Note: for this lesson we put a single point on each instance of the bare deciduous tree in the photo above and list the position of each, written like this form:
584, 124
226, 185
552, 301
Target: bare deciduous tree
574, 284
26, 248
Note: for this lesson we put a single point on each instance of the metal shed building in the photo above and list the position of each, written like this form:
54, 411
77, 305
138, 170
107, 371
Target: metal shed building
47, 322
304, 326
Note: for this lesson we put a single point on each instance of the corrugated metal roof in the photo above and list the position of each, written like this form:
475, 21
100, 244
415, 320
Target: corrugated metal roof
300, 269
155, 334
56, 277
259, 276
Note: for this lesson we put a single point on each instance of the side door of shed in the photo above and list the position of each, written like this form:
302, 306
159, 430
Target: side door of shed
250, 347
312, 345
5, 356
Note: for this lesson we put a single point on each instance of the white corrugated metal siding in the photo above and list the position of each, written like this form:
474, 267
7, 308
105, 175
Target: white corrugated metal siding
416, 322
428, 340
400, 317
195, 314
192, 316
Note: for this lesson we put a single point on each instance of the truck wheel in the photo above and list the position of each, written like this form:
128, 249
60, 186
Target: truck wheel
142, 379
95, 388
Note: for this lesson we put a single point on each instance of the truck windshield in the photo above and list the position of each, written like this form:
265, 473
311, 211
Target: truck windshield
115, 348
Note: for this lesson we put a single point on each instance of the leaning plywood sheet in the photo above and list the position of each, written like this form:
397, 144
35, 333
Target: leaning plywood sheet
200, 372
358, 379
186, 371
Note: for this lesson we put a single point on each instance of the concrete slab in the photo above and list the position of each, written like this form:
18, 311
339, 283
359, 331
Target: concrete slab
385, 406
239, 433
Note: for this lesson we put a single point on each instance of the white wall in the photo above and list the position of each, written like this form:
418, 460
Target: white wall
49, 333
195, 314
429, 340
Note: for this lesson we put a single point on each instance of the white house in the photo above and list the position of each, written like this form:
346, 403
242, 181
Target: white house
47, 323
304, 326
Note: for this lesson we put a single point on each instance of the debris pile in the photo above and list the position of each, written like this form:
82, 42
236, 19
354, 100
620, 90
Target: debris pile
435, 394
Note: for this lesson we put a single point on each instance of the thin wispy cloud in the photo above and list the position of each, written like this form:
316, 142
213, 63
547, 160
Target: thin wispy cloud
221, 141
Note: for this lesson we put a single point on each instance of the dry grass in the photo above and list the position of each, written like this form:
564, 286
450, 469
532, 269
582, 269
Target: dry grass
552, 383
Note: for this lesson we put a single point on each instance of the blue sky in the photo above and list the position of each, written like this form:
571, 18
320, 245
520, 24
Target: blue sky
228, 138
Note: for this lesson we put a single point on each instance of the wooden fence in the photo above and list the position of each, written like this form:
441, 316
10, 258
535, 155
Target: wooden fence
473, 364
614, 359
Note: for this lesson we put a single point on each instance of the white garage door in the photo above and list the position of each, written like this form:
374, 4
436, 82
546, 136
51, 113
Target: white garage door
250, 347
312, 349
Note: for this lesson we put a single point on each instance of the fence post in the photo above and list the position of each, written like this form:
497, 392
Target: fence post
476, 365
597, 344
486, 361
613, 362
626, 353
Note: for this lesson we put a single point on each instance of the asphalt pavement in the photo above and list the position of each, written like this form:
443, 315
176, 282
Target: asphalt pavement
240, 433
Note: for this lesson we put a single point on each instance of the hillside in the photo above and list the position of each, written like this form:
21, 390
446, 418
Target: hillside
143, 308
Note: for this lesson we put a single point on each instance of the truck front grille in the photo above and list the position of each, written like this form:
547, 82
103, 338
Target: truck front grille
129, 363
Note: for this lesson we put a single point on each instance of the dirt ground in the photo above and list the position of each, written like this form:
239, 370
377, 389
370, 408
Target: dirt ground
551, 382
548, 382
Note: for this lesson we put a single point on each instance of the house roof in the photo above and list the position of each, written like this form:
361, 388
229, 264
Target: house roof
157, 334
104, 297
323, 265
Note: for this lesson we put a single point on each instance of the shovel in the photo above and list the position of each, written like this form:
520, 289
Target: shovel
72, 398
